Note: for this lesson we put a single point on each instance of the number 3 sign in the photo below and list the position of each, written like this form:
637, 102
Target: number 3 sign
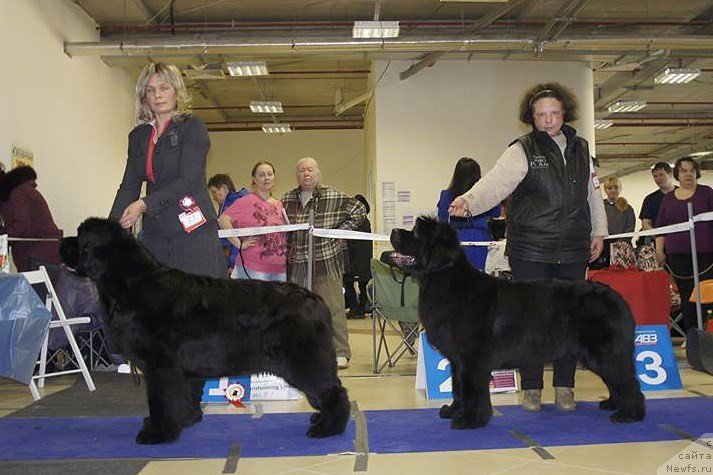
655, 363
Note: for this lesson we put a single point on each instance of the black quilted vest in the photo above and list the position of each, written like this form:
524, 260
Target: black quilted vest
548, 217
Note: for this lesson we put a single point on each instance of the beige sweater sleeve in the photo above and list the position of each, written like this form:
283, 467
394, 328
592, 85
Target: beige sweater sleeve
596, 204
498, 183
510, 170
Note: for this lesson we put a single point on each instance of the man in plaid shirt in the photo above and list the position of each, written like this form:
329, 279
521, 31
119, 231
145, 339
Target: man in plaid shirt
332, 210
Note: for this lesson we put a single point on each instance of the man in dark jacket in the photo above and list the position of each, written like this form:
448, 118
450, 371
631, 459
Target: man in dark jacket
28, 216
358, 267
222, 190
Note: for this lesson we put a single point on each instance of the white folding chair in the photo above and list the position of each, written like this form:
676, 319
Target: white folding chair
59, 320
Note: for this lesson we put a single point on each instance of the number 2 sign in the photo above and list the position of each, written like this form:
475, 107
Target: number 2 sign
655, 362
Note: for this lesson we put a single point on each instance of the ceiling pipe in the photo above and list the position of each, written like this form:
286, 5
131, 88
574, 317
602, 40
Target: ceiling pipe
643, 143
268, 46
285, 106
455, 24
301, 127
666, 124
480, 25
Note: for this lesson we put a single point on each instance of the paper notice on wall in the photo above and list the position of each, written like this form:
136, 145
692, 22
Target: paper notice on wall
403, 196
388, 194
388, 191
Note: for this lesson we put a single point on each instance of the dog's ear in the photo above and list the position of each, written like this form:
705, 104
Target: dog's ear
440, 246
69, 251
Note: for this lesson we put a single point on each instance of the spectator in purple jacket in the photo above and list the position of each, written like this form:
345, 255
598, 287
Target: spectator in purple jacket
27, 215
674, 250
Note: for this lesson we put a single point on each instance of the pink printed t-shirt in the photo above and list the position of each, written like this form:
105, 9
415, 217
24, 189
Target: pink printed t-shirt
270, 253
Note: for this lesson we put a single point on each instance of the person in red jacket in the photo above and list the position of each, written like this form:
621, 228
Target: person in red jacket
27, 215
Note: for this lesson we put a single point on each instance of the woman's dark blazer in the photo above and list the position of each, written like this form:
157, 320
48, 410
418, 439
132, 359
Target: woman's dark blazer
179, 161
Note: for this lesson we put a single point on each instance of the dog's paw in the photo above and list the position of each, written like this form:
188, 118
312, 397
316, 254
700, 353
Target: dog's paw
194, 418
474, 422
448, 411
625, 417
319, 431
147, 423
607, 405
151, 436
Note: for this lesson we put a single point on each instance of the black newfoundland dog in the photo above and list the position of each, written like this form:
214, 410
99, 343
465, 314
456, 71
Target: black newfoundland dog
180, 329
481, 323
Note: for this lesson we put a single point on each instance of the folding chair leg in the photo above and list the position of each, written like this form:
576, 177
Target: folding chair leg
676, 326
379, 325
80, 361
43, 361
34, 391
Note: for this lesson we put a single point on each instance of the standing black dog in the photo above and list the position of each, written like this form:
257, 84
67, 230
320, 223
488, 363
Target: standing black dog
481, 323
180, 328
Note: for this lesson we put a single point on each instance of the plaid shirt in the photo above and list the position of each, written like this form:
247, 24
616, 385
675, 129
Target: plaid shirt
332, 210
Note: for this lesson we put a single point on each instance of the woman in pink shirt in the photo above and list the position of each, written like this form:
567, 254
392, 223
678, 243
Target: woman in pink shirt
262, 257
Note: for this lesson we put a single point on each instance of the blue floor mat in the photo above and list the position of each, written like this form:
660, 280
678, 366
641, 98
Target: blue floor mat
403, 430
396, 431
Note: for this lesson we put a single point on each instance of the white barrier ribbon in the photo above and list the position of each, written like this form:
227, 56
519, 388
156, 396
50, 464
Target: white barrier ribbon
347, 234
256, 231
359, 235
482, 243
33, 239
670, 229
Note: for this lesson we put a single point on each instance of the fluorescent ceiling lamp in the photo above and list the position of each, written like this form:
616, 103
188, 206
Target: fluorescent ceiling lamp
276, 128
677, 75
626, 106
247, 68
375, 29
700, 154
266, 107
603, 124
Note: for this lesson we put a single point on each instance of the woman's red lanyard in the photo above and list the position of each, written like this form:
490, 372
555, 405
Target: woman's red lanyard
149, 155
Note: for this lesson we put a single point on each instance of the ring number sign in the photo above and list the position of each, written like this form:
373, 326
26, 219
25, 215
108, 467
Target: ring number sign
655, 362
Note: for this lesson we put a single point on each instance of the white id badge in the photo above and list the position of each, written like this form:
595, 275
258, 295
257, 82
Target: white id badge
192, 218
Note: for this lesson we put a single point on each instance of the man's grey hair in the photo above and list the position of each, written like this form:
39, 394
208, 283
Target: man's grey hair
311, 161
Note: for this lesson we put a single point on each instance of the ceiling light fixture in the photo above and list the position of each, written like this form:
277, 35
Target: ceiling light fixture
704, 153
677, 75
626, 106
266, 107
375, 29
601, 124
247, 68
276, 128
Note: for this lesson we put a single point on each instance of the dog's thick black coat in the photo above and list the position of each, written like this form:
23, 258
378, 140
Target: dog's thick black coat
481, 323
180, 329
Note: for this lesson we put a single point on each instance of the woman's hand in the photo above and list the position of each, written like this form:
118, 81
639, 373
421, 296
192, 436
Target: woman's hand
132, 213
660, 253
248, 241
596, 247
660, 256
459, 208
